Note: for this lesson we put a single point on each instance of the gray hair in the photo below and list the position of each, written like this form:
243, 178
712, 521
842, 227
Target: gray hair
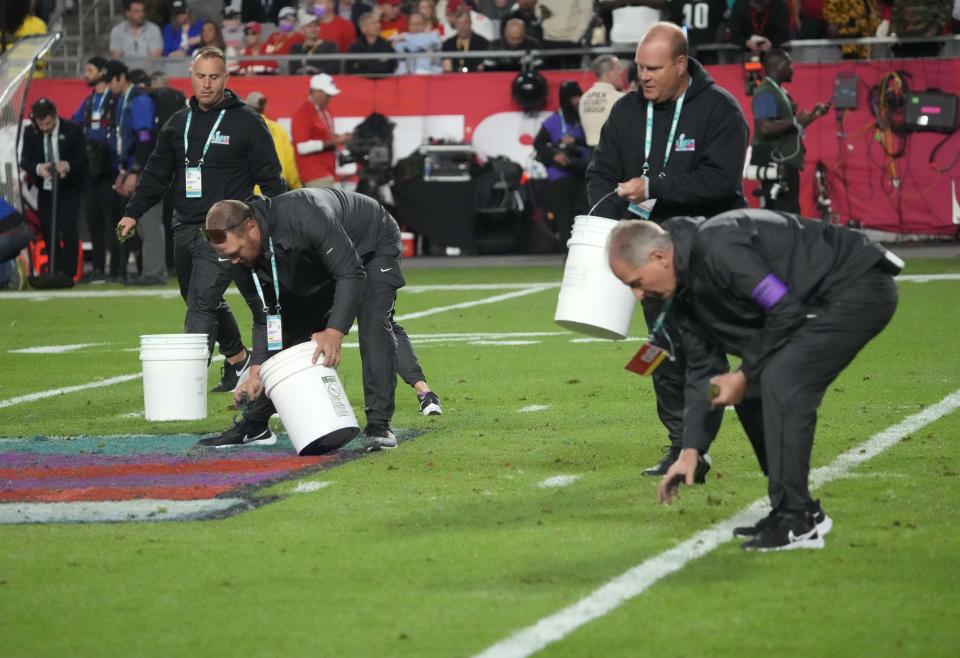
603, 64
632, 240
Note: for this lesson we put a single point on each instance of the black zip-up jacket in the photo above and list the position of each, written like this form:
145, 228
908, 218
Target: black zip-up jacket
703, 174
322, 237
746, 280
240, 156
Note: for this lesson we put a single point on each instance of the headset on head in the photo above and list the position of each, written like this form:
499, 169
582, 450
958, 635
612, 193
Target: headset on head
42, 107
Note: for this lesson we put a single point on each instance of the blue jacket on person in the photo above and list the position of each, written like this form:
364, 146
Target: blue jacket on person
171, 36
131, 137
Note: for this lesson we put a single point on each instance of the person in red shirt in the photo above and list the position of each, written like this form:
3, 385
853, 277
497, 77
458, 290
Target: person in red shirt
313, 137
252, 46
334, 28
283, 39
392, 20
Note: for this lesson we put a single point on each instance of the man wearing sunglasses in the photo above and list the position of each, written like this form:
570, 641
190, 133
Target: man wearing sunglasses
215, 148
310, 262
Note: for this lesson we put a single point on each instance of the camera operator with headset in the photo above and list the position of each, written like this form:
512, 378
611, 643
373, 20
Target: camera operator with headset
778, 133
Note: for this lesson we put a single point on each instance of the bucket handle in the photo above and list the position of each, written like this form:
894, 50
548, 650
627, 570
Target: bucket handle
602, 199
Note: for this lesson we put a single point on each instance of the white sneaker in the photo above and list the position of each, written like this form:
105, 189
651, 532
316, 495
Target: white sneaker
430, 405
380, 437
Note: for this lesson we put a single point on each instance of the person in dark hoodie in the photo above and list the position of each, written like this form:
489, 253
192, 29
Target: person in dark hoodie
797, 299
561, 147
215, 148
676, 147
315, 260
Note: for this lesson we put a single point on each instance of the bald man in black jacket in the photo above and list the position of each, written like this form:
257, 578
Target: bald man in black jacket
797, 299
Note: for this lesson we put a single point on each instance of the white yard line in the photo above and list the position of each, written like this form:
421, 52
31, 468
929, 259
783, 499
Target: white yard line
99, 383
634, 582
53, 349
505, 342
309, 487
523, 292
533, 408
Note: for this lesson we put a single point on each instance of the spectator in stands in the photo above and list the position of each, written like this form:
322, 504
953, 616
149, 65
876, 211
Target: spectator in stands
704, 20
811, 22
481, 23
428, 9
759, 25
851, 19
531, 15
95, 116
135, 37
418, 41
596, 103
371, 42
464, 40
314, 138
246, 66
54, 157
333, 28
281, 141
561, 147
514, 38
286, 35
630, 19
352, 10
181, 35
564, 24
211, 36
32, 26
919, 18
311, 44
494, 9
131, 141
206, 10
231, 28
392, 20
262, 11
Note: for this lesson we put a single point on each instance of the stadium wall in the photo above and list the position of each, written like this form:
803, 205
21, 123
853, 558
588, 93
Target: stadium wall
908, 194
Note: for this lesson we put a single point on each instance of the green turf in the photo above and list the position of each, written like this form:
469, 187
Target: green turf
447, 545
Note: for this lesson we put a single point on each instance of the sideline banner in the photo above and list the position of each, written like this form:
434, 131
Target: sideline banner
904, 195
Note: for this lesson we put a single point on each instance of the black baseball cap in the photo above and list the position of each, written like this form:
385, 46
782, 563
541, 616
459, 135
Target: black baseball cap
178, 7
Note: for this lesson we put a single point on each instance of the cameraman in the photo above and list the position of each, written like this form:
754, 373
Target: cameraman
313, 137
778, 132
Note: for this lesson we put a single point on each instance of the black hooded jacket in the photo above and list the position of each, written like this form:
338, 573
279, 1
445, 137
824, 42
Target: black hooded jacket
323, 238
730, 298
703, 174
240, 156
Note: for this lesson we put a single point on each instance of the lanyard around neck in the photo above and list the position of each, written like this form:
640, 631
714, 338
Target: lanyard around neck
648, 136
276, 281
658, 328
121, 106
103, 97
206, 145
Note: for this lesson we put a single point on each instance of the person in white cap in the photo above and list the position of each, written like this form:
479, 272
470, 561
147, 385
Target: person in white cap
313, 136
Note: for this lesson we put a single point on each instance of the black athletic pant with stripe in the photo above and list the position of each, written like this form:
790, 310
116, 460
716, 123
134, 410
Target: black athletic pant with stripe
781, 421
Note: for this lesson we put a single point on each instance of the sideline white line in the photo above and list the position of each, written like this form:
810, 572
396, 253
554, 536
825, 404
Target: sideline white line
53, 349
635, 581
533, 408
170, 293
558, 481
32, 397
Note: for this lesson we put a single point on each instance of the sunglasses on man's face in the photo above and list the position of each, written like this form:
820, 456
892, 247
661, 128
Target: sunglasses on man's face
218, 235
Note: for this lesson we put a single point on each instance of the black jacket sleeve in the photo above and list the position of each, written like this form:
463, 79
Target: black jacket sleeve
720, 169
544, 149
262, 159
326, 236
77, 157
31, 152
156, 176
735, 262
606, 169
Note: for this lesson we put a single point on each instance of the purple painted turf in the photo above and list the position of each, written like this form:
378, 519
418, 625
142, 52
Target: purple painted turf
193, 479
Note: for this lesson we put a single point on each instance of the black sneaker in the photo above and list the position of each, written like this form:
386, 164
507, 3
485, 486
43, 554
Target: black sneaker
380, 437
768, 521
239, 435
231, 374
703, 467
430, 404
824, 522
670, 455
790, 531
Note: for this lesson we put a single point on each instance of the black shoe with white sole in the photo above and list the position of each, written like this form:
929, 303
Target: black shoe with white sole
240, 435
430, 404
380, 437
789, 531
670, 455
231, 375
823, 522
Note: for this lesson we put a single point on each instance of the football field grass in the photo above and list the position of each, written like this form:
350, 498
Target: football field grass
466, 534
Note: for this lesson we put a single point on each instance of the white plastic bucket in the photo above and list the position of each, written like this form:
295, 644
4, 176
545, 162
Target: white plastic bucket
309, 398
174, 376
592, 300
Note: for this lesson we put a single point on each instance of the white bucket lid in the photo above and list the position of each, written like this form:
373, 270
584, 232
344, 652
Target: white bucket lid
173, 339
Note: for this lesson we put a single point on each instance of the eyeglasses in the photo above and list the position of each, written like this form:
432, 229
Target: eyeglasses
218, 235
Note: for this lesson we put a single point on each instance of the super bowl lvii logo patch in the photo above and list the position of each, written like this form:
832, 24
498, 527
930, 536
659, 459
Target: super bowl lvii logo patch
220, 138
686, 145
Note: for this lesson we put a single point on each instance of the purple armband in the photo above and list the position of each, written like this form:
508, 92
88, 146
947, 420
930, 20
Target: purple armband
144, 135
769, 291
